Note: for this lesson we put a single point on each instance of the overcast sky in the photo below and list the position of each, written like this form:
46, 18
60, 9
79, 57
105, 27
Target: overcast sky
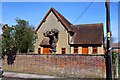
34, 12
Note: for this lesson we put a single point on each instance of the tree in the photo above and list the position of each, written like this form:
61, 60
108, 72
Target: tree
0, 39
8, 45
0, 44
24, 36
18, 38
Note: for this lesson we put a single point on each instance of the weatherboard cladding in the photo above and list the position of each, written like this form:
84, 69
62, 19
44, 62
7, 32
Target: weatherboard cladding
83, 34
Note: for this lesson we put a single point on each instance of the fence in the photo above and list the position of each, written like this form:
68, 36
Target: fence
69, 65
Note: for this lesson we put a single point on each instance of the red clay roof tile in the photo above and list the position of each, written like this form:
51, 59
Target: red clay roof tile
88, 34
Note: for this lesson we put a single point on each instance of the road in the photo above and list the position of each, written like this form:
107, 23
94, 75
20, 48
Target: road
12, 79
21, 79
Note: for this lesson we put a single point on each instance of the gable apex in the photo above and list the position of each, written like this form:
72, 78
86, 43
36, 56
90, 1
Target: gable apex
60, 18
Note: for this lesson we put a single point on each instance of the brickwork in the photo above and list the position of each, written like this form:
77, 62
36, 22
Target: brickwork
79, 66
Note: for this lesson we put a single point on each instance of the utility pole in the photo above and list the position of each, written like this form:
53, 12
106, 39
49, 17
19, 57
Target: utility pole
108, 53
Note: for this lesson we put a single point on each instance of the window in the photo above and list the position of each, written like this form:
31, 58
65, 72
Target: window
94, 50
63, 50
84, 50
39, 50
75, 50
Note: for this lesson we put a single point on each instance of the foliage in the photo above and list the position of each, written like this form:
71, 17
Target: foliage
119, 70
24, 35
8, 45
114, 56
0, 39
0, 44
18, 38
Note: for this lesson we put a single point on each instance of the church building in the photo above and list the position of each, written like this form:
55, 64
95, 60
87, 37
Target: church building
72, 39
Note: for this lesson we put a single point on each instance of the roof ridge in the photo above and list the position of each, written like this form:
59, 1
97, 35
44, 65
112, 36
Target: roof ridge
88, 24
63, 20
60, 14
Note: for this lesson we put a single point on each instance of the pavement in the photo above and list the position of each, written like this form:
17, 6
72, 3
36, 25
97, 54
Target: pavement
25, 75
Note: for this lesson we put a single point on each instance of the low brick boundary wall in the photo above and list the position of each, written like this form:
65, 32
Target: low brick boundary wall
79, 66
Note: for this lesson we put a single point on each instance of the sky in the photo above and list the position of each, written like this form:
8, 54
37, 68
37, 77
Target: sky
35, 11
56, 0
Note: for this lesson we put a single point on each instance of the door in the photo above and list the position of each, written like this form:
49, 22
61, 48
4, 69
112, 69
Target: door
46, 50
75, 50
39, 50
84, 50
63, 50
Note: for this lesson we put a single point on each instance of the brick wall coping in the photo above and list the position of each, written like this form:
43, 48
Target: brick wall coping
65, 54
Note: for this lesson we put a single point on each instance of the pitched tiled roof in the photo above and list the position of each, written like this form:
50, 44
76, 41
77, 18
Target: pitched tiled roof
45, 42
116, 45
88, 34
60, 18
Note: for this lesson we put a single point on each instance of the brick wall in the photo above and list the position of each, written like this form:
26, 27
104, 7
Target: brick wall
79, 66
